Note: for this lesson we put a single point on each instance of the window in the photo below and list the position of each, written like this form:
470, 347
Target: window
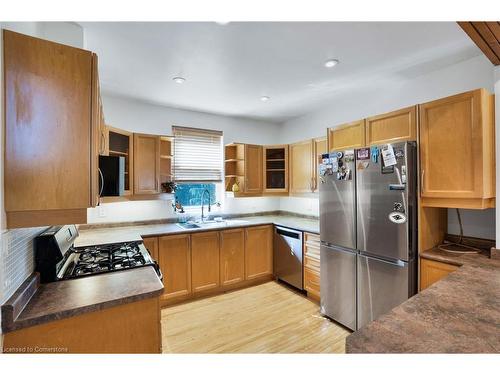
198, 165
197, 155
189, 195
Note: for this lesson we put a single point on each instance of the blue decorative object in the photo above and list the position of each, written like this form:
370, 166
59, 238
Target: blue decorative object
190, 194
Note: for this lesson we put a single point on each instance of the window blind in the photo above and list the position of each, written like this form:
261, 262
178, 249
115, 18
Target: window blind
198, 155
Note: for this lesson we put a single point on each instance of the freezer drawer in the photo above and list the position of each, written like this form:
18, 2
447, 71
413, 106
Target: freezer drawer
338, 285
382, 285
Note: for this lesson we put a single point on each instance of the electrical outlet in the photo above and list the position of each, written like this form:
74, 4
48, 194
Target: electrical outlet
101, 211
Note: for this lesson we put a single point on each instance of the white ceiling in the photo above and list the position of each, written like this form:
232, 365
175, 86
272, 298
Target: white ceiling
229, 67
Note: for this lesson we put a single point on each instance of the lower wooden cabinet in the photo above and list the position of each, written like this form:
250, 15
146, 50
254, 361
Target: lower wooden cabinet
175, 264
432, 271
258, 251
232, 256
151, 243
312, 265
204, 261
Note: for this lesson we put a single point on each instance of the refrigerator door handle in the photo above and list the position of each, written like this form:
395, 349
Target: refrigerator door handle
337, 248
397, 262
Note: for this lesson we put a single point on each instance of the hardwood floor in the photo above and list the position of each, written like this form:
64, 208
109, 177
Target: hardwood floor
267, 318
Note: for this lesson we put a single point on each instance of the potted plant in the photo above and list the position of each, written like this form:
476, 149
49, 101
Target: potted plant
169, 187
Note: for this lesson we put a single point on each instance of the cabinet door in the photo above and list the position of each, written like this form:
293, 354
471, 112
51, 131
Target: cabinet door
205, 261
258, 251
146, 164
151, 243
351, 135
49, 138
121, 143
175, 263
456, 150
253, 169
432, 271
232, 256
397, 126
320, 148
302, 167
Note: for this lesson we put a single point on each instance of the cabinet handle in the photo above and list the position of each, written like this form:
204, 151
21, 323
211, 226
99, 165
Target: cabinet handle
422, 181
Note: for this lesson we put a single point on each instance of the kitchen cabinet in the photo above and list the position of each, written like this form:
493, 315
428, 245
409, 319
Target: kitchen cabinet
275, 169
121, 143
243, 167
392, 127
302, 167
347, 136
320, 147
48, 98
253, 169
175, 264
151, 243
146, 164
205, 261
232, 256
128, 328
457, 154
305, 158
312, 265
258, 251
432, 271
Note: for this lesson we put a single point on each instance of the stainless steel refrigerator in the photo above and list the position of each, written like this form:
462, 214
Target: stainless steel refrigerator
378, 203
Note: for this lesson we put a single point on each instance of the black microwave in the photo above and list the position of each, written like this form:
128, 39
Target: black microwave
112, 176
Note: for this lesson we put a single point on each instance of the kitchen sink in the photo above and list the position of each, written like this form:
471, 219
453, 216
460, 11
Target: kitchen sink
211, 224
188, 225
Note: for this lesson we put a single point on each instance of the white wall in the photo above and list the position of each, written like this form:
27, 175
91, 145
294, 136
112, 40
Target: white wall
466, 75
142, 117
137, 116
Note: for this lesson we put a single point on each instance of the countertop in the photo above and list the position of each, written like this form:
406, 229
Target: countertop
458, 314
36, 303
124, 233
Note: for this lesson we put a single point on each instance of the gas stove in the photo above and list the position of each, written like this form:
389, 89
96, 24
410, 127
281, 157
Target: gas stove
57, 259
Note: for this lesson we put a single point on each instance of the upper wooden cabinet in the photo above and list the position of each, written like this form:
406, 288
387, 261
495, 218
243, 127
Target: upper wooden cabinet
275, 169
121, 143
351, 135
302, 167
392, 127
243, 167
51, 132
457, 154
146, 164
253, 169
320, 147
258, 251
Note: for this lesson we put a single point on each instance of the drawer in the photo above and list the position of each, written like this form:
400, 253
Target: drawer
312, 263
311, 237
311, 282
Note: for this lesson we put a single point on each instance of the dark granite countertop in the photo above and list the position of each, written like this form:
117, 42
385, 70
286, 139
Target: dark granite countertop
458, 314
100, 234
35, 303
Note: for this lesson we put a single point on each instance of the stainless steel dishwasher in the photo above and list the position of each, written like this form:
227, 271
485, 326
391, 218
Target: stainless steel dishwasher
288, 256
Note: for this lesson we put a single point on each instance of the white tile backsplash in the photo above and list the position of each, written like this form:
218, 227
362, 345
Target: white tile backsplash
16, 259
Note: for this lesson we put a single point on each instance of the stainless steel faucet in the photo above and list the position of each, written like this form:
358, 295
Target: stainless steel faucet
202, 204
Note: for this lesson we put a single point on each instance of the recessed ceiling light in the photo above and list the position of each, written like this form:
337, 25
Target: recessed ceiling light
179, 80
222, 22
264, 98
331, 63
